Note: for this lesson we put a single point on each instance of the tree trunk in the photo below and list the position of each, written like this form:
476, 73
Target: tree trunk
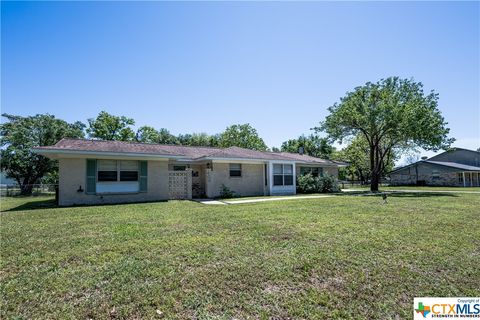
375, 165
373, 168
26, 189
375, 181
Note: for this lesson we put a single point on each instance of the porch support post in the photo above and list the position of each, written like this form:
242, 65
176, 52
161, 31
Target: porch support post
189, 183
294, 170
464, 182
264, 175
270, 178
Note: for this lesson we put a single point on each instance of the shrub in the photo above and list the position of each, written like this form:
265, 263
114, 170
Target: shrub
306, 183
310, 184
225, 192
328, 184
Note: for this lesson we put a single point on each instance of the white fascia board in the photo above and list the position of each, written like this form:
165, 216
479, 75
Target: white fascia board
283, 161
317, 164
237, 160
101, 155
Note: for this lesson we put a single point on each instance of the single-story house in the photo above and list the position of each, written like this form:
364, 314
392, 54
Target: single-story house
455, 167
95, 171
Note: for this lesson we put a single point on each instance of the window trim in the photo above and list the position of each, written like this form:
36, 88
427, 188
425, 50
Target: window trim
234, 170
283, 174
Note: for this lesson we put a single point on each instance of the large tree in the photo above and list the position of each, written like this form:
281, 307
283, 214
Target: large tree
20, 134
198, 139
147, 134
391, 113
313, 145
356, 154
242, 135
109, 127
165, 137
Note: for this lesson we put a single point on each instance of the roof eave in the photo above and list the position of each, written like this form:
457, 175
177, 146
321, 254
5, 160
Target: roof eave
51, 152
325, 164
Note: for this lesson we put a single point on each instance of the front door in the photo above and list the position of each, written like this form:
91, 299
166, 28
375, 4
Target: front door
198, 181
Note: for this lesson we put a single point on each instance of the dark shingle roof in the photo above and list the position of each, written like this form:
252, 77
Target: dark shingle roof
109, 146
441, 163
307, 158
455, 165
237, 152
188, 152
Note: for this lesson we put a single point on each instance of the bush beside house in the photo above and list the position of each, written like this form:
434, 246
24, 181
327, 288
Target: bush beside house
226, 193
309, 184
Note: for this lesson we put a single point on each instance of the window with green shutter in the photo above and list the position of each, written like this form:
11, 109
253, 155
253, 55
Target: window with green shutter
91, 176
143, 176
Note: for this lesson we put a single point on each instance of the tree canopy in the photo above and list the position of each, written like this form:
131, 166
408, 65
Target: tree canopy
165, 137
147, 134
109, 127
313, 145
356, 154
392, 113
242, 135
20, 134
198, 139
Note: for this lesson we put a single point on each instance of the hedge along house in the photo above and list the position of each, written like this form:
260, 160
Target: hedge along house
95, 171
456, 167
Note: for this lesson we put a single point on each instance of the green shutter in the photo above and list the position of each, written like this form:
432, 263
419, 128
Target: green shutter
143, 176
91, 176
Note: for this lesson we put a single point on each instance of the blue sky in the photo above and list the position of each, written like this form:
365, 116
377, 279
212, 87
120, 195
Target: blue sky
199, 67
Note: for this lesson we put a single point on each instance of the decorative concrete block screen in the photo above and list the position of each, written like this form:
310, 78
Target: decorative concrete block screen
180, 184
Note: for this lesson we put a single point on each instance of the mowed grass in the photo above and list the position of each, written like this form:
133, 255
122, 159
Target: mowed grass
416, 188
345, 257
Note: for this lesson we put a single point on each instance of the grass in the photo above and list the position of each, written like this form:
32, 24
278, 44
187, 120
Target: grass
419, 188
345, 257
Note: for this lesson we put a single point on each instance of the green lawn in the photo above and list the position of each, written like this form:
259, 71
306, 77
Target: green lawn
420, 188
339, 257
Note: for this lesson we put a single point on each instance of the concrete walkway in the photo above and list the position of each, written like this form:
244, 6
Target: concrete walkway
209, 201
220, 202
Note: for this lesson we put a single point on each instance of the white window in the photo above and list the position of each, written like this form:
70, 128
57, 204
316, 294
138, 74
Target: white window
282, 175
235, 170
114, 171
435, 174
128, 170
107, 170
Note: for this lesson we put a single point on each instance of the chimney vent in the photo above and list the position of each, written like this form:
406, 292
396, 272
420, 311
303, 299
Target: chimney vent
300, 150
424, 158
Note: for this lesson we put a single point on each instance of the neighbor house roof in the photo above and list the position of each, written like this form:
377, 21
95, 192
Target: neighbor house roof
455, 165
84, 146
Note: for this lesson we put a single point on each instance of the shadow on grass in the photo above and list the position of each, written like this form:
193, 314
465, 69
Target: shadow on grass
34, 205
50, 204
399, 194
421, 194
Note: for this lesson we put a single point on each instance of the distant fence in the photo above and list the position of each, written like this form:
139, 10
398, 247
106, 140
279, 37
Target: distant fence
358, 183
37, 189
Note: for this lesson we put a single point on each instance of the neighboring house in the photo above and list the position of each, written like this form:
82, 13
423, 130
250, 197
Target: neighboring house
94, 171
456, 167
6, 181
